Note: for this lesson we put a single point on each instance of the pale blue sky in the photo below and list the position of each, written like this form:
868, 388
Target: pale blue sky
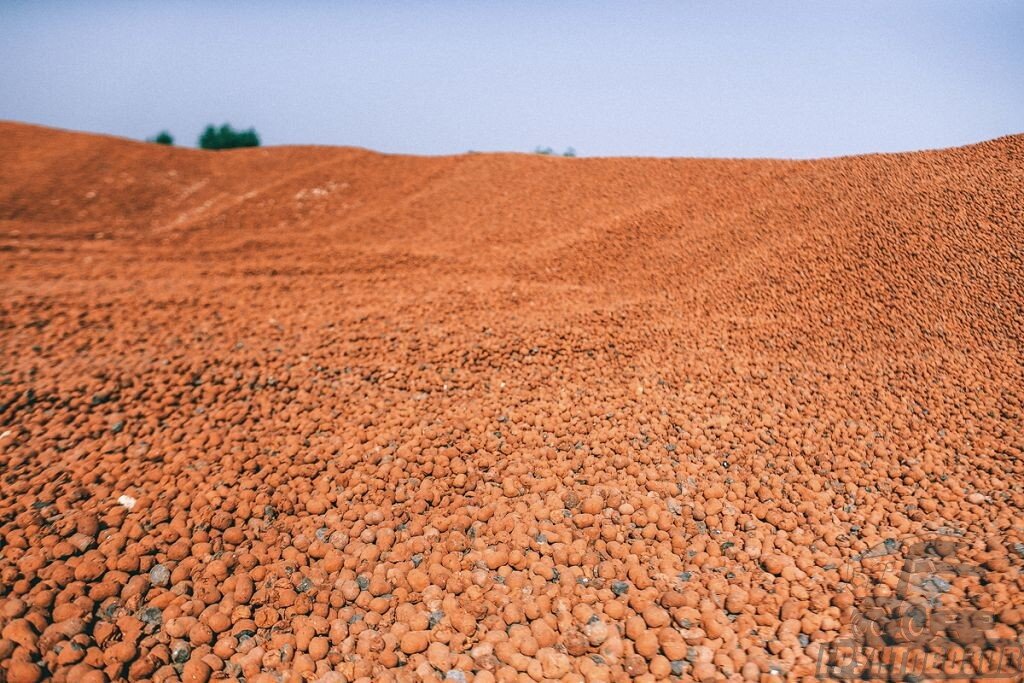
782, 79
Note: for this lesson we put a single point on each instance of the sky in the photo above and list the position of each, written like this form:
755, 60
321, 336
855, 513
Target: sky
718, 79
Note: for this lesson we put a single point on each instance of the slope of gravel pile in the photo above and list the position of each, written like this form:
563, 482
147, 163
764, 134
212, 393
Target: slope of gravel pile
309, 414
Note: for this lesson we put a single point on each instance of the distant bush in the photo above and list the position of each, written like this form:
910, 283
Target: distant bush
162, 138
547, 151
227, 137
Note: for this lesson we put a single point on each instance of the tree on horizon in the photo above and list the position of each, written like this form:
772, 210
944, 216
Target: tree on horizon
227, 137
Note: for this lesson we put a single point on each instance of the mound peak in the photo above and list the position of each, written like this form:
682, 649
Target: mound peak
933, 234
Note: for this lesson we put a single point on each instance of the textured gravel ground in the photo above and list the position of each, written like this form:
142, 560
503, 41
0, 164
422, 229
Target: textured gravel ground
308, 414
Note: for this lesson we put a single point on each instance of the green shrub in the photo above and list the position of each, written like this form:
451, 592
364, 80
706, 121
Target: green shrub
227, 137
547, 151
162, 138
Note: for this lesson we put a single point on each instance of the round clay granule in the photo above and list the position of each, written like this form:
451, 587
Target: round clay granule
414, 641
24, 672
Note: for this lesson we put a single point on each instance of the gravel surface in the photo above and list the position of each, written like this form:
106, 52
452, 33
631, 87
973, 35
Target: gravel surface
319, 414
